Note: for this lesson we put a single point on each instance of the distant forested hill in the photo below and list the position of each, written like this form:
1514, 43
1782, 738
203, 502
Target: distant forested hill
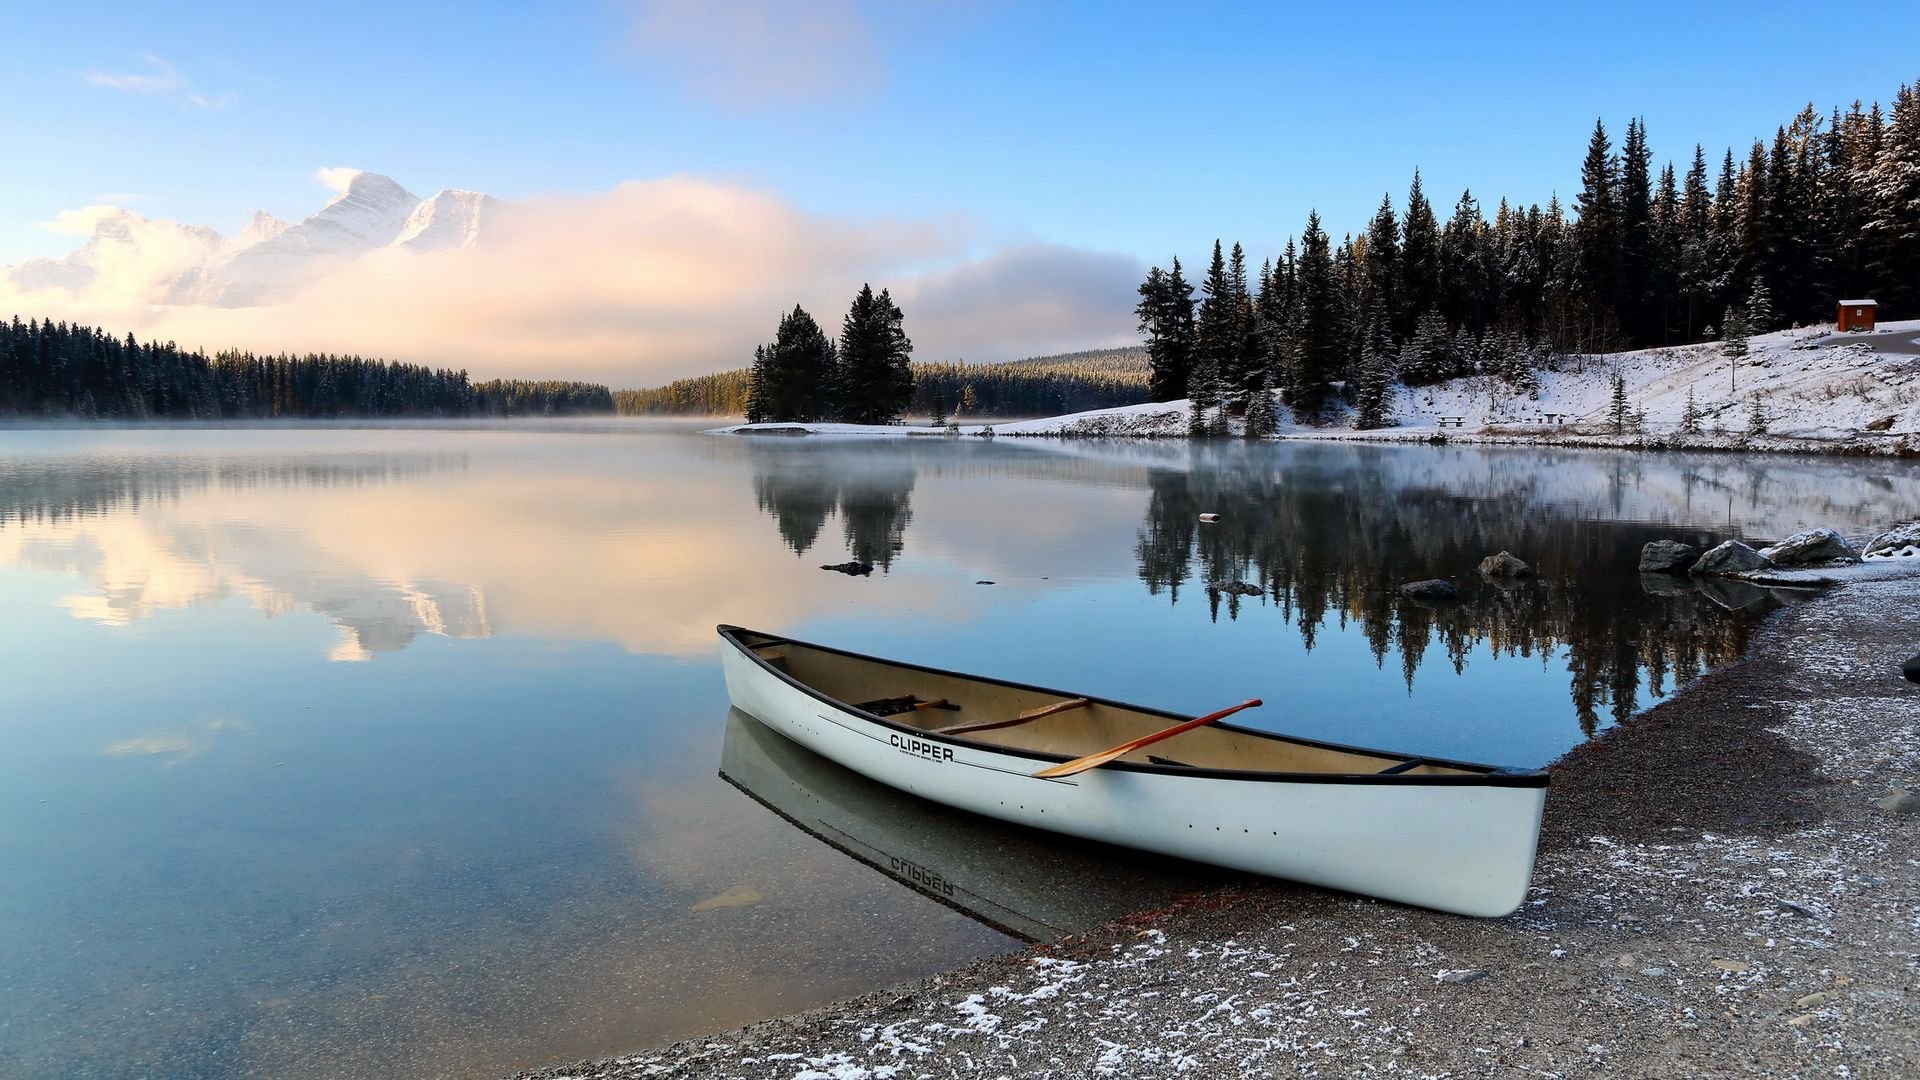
52, 369
1126, 364
1037, 386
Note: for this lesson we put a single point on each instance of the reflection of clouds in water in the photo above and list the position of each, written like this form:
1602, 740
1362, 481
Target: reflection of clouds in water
637, 559
175, 746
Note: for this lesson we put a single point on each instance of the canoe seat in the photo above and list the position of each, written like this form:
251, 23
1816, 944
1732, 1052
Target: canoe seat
1406, 766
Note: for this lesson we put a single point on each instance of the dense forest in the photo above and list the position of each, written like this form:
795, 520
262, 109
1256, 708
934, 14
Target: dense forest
1038, 386
1829, 209
53, 369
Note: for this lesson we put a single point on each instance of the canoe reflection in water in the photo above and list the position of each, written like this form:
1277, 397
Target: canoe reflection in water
1032, 884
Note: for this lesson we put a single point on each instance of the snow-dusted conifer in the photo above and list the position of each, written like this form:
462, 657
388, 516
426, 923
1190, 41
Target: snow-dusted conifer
1690, 419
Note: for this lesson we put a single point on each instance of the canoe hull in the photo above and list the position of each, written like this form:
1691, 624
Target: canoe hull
1466, 848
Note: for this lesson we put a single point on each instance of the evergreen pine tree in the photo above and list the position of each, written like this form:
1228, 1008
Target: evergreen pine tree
1382, 296
798, 377
1165, 316
875, 379
1597, 228
1419, 260
1216, 337
1690, 419
1617, 413
1760, 316
1262, 420
1373, 396
1318, 349
1733, 344
1637, 254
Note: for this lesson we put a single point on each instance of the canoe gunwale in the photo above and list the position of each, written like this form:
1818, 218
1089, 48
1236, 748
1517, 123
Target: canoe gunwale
1484, 775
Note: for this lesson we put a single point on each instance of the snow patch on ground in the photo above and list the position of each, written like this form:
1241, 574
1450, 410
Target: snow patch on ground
1817, 389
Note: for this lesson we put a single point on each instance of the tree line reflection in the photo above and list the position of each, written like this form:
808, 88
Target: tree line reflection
56, 489
1333, 547
873, 498
1328, 538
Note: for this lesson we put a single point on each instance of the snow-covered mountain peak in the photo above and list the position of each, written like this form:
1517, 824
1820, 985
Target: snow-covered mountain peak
261, 226
366, 188
367, 214
451, 218
269, 259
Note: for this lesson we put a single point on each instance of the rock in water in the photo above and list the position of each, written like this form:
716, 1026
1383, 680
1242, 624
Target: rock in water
737, 897
1234, 588
1731, 557
1810, 548
1911, 669
1504, 565
1667, 557
1431, 591
852, 567
1899, 542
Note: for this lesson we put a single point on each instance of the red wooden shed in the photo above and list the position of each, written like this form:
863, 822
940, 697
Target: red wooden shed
1855, 316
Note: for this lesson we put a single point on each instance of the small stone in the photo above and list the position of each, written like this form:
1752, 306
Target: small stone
1504, 565
1731, 557
1735, 966
1810, 548
1792, 908
1667, 557
1811, 1000
1900, 801
1474, 975
1431, 591
1885, 423
1901, 541
737, 897
1802, 1020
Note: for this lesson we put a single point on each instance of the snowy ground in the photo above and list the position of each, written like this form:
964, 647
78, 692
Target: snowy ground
1729, 884
1812, 384
1819, 391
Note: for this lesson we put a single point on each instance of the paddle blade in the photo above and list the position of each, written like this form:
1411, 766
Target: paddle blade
1082, 764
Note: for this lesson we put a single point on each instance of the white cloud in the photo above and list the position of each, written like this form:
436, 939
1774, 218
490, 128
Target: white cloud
747, 53
651, 281
122, 198
336, 179
164, 80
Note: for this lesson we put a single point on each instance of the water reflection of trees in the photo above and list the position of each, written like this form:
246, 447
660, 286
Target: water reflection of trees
54, 489
1333, 538
801, 487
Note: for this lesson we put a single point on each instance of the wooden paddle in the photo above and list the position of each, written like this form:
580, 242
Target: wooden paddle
1030, 714
1082, 764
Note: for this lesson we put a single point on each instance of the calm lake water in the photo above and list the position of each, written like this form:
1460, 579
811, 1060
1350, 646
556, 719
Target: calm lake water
379, 752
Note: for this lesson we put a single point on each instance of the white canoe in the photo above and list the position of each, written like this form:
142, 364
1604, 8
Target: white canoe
1447, 835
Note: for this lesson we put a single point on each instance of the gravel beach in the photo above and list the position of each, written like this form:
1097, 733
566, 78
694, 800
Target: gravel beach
1727, 885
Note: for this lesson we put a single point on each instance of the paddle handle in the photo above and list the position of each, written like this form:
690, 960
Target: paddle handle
1082, 764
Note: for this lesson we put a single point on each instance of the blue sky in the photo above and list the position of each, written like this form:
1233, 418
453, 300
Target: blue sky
1009, 168
1135, 128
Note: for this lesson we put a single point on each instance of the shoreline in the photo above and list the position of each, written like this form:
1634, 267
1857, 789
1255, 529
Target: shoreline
1725, 883
1863, 445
